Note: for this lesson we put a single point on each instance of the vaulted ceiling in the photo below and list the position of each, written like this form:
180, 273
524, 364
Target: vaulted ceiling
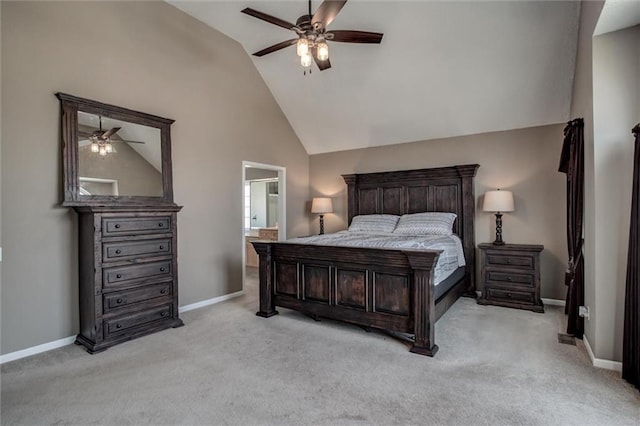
443, 68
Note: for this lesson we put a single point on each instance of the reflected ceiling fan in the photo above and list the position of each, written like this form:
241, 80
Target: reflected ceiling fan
101, 141
312, 34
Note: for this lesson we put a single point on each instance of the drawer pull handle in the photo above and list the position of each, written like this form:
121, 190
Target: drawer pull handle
160, 224
119, 276
163, 314
509, 279
162, 269
163, 291
508, 294
118, 325
117, 226
161, 247
118, 251
509, 261
119, 301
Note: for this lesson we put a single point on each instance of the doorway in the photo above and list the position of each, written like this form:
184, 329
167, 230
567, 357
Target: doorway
264, 214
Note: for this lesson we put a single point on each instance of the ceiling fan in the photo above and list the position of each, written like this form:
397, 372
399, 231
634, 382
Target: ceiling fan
312, 34
101, 140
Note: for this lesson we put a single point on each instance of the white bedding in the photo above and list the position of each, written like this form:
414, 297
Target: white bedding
450, 259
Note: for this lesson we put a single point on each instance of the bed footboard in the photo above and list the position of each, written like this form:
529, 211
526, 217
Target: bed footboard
388, 289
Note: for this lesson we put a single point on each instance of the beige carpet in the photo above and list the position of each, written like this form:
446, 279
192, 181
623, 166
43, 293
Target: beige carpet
227, 366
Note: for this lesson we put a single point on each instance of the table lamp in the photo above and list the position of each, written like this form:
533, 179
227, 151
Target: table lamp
321, 205
498, 201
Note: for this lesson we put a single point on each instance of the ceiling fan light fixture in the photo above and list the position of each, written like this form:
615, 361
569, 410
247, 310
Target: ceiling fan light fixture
302, 46
305, 60
94, 147
102, 150
108, 147
323, 51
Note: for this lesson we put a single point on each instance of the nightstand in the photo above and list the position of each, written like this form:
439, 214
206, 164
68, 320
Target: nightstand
510, 275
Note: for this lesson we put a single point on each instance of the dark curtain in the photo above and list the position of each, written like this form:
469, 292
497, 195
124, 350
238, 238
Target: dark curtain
631, 340
572, 163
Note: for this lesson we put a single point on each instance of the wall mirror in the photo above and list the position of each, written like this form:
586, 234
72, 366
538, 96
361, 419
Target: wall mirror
113, 155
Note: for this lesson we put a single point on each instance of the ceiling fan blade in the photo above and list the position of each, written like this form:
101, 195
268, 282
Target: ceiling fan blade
326, 12
270, 19
276, 47
110, 132
322, 65
347, 36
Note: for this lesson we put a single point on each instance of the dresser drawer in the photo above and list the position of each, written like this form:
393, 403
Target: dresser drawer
503, 277
509, 295
113, 277
511, 261
125, 323
135, 225
129, 249
121, 299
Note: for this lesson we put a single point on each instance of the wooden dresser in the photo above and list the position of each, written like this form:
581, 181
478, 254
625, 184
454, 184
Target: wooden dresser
510, 276
128, 273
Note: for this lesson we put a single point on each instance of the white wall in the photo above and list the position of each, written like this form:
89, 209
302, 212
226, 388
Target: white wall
150, 57
582, 106
616, 110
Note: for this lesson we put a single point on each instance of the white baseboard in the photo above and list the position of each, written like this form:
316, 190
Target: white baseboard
601, 363
12, 356
208, 302
37, 349
553, 302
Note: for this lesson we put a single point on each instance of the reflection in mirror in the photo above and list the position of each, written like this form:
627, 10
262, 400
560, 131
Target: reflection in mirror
117, 157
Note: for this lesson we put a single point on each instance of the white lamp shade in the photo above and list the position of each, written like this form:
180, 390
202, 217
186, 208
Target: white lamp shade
321, 205
498, 201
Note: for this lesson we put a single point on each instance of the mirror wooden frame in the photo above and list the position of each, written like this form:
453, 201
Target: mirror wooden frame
70, 105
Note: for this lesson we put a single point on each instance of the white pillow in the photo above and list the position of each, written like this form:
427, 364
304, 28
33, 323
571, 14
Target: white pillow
431, 223
374, 223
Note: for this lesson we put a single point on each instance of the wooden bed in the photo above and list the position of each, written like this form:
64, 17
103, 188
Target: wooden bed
388, 289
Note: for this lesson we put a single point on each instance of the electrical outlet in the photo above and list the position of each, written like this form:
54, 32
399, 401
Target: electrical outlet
583, 311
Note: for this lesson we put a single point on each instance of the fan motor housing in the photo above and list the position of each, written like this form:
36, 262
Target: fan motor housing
304, 23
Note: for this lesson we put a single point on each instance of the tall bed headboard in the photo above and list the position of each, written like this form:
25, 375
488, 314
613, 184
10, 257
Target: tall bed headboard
442, 189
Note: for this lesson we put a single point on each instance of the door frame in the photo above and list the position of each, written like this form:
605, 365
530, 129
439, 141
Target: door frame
282, 207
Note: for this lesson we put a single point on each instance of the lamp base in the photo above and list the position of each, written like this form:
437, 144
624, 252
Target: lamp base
321, 224
498, 241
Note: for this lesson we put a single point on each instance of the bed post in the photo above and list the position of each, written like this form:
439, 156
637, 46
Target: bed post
424, 303
467, 232
267, 307
352, 199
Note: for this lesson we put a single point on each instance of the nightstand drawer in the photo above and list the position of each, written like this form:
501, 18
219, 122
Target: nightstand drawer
511, 261
510, 278
509, 295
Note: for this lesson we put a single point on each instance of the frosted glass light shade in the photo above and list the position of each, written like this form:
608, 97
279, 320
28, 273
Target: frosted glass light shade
498, 201
323, 51
321, 205
302, 47
305, 60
